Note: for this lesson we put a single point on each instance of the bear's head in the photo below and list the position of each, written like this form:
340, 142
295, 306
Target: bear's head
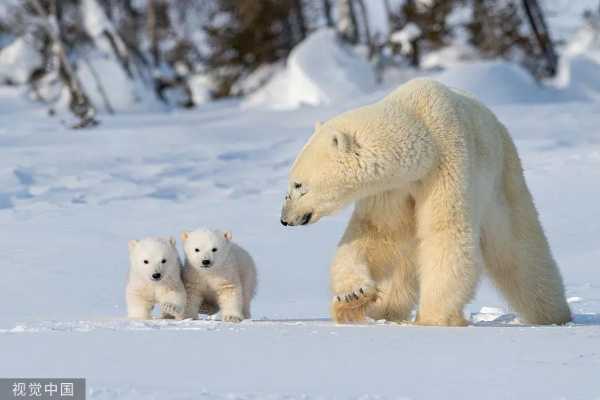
357, 154
206, 248
154, 259
327, 174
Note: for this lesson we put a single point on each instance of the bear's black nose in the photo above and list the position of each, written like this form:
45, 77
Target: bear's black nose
156, 276
284, 222
205, 262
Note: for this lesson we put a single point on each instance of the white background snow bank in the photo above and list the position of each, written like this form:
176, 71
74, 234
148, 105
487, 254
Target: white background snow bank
318, 71
18, 60
321, 71
104, 79
498, 82
579, 70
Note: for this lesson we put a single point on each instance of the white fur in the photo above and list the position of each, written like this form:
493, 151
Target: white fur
142, 291
228, 284
440, 194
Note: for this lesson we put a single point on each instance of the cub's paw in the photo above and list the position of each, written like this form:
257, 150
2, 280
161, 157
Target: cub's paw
172, 310
232, 318
351, 306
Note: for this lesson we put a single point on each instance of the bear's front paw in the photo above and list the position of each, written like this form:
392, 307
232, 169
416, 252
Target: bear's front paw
171, 310
349, 307
232, 318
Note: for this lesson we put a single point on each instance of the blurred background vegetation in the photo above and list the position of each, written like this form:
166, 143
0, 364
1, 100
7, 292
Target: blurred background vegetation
228, 46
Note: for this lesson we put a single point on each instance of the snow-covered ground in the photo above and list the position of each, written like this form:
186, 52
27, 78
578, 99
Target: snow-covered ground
70, 200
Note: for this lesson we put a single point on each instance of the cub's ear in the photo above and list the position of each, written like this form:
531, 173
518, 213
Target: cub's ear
342, 141
172, 241
131, 244
185, 235
318, 124
228, 235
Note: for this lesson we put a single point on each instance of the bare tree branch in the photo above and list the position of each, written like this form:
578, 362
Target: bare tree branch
80, 104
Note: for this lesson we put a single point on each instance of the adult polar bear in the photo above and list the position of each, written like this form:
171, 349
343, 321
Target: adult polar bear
439, 192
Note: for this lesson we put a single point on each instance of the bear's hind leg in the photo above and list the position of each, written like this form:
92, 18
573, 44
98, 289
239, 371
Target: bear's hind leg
519, 261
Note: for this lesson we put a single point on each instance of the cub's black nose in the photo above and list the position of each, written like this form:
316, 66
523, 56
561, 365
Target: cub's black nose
284, 222
205, 262
156, 276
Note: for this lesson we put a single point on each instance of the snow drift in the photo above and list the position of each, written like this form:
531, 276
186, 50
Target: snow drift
18, 61
498, 82
318, 71
580, 64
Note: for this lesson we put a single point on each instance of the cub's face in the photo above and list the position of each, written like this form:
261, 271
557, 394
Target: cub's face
154, 259
206, 248
324, 177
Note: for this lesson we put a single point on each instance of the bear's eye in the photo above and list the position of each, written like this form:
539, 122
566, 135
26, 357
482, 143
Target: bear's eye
197, 250
145, 261
164, 261
214, 249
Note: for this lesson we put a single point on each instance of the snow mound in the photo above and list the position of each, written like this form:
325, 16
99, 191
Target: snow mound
449, 56
497, 82
586, 41
580, 65
18, 60
107, 84
320, 70
579, 75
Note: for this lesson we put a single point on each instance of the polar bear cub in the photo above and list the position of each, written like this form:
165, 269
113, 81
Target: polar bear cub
155, 278
218, 275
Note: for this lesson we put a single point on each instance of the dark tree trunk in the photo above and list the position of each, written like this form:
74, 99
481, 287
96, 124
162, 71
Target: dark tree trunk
301, 21
80, 104
415, 54
327, 12
388, 14
153, 31
365, 19
350, 33
542, 35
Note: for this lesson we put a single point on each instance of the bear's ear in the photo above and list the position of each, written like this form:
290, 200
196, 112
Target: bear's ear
185, 235
172, 241
342, 141
131, 244
318, 125
228, 235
